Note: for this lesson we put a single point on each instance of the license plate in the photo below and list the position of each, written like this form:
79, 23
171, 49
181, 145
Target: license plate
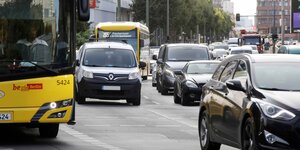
111, 88
5, 116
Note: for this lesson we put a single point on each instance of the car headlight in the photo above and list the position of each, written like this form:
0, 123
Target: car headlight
191, 84
134, 75
275, 112
88, 74
169, 73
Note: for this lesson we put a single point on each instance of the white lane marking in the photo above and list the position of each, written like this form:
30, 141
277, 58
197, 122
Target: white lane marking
97, 125
174, 119
88, 139
127, 125
167, 125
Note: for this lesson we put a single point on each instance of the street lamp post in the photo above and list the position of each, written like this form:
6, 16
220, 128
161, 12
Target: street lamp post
282, 22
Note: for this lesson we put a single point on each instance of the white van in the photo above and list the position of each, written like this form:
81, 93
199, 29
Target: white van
108, 70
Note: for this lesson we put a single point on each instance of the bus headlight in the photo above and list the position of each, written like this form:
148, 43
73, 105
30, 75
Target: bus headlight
134, 75
87, 74
53, 105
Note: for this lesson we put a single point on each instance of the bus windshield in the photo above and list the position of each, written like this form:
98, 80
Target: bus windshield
35, 37
129, 37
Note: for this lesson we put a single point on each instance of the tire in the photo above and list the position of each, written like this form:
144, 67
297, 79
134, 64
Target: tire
144, 77
49, 130
80, 99
158, 87
135, 101
184, 100
175, 96
153, 84
248, 137
164, 91
204, 133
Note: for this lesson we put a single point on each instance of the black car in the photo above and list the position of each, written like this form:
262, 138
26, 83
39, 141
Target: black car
252, 102
189, 81
173, 57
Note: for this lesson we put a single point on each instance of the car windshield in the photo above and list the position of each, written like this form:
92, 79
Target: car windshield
187, 53
202, 68
280, 76
109, 57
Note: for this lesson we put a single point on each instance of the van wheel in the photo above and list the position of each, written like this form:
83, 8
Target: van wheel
80, 99
49, 130
135, 101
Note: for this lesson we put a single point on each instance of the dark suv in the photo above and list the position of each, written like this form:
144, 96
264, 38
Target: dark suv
173, 57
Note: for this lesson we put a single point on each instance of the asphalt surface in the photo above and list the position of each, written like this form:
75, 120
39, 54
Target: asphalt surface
157, 124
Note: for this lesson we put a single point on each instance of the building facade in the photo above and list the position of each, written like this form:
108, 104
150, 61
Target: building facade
268, 16
106, 11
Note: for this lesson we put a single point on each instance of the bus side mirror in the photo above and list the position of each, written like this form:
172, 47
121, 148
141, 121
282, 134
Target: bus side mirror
83, 10
142, 43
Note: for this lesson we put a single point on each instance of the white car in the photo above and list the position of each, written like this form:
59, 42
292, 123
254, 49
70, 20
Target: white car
108, 70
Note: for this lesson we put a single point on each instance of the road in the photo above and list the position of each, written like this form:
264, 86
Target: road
158, 124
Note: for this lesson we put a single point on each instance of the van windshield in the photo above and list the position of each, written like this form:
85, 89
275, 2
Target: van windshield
108, 57
187, 53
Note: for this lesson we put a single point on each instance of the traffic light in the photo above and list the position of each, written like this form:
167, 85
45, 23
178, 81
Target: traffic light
237, 17
274, 37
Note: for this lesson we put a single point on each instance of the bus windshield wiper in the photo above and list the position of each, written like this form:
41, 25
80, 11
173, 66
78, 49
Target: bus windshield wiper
33, 64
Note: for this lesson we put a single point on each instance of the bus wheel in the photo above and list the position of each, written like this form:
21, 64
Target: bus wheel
49, 130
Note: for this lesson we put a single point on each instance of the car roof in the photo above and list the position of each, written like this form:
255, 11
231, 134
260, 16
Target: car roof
292, 47
185, 44
116, 45
269, 58
204, 61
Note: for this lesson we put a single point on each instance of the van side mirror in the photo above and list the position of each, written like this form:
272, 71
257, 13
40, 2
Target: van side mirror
142, 64
83, 10
77, 62
142, 44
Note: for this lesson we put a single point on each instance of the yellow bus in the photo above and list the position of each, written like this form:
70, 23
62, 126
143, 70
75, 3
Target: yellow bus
133, 33
37, 55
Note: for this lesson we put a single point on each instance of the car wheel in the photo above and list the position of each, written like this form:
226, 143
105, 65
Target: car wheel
158, 87
164, 91
248, 140
80, 99
135, 101
204, 134
49, 130
144, 77
184, 100
175, 96
153, 84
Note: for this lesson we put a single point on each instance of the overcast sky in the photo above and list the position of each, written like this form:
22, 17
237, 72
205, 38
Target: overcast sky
244, 7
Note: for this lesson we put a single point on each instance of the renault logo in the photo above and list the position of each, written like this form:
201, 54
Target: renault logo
110, 76
2, 94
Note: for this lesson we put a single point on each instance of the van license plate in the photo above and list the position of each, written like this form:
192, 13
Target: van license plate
5, 116
111, 88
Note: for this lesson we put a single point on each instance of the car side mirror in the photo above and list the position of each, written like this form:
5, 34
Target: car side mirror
159, 61
77, 62
235, 85
154, 57
142, 64
178, 72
